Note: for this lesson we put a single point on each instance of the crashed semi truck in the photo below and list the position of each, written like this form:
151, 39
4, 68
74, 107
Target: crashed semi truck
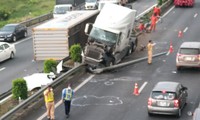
53, 39
110, 37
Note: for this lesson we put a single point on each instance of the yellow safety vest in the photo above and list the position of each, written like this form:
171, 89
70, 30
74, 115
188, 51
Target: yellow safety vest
149, 47
49, 97
68, 95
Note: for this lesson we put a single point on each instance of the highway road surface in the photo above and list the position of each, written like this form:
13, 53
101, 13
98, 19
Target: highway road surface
109, 96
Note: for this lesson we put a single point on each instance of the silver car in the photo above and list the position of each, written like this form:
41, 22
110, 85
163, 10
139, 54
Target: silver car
7, 51
188, 55
196, 115
167, 98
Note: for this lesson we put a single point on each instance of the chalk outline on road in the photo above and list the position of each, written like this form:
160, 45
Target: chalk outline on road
113, 100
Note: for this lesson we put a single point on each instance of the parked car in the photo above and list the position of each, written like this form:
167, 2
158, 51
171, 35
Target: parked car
188, 55
196, 115
7, 51
167, 98
38, 80
12, 32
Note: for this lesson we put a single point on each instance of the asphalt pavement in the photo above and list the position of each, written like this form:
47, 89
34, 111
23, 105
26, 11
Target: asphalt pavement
59, 110
109, 96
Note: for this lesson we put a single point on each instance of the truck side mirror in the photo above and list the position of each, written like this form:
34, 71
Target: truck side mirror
88, 28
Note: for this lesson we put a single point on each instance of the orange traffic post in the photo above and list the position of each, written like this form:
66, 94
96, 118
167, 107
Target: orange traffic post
136, 91
180, 34
171, 48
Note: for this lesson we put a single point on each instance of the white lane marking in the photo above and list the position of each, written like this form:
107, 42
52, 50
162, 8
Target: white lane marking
185, 29
195, 15
25, 39
168, 11
145, 11
1, 69
60, 102
142, 87
167, 53
165, 14
83, 83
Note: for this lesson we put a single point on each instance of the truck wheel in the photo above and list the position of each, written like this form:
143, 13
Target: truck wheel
135, 45
130, 50
110, 62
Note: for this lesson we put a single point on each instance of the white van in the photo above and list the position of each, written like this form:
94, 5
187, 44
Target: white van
60, 10
91, 4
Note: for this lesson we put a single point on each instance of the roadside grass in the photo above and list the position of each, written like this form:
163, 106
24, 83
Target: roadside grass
21, 10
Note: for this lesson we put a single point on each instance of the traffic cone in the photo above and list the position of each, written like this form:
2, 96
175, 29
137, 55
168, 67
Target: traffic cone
136, 92
171, 48
180, 34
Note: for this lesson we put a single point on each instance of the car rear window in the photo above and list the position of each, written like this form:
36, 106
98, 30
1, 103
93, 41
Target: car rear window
159, 95
189, 51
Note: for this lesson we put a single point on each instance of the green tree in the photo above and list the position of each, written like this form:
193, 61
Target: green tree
160, 2
50, 65
19, 88
75, 52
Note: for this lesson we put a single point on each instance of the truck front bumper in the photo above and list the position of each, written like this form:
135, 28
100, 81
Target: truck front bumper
92, 62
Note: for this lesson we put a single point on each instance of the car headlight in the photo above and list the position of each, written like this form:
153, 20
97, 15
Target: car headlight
9, 35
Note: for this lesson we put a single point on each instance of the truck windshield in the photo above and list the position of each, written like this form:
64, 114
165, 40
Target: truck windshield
90, 1
61, 10
100, 34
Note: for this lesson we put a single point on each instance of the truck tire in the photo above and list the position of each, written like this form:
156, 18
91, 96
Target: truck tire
130, 49
110, 62
135, 45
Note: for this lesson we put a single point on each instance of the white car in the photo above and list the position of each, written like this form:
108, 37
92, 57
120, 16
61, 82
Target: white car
7, 51
61, 10
38, 80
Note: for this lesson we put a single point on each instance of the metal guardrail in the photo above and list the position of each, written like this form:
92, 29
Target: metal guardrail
5, 94
43, 18
37, 20
126, 63
39, 94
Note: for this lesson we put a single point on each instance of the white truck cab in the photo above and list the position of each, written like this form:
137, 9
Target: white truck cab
91, 4
60, 10
109, 38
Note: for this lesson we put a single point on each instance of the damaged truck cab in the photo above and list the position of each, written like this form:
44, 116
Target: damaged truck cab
109, 38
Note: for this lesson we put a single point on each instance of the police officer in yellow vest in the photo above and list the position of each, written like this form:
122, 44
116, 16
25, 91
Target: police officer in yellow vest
49, 101
67, 94
150, 51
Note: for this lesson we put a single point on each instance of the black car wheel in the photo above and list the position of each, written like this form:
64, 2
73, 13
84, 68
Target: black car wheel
12, 55
14, 38
178, 68
150, 114
25, 34
179, 113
